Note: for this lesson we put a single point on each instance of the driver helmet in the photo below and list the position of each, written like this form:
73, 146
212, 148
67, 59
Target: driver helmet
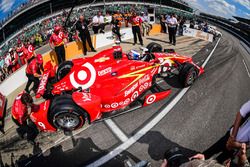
134, 55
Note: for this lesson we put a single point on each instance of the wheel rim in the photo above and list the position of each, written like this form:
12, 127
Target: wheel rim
191, 78
67, 121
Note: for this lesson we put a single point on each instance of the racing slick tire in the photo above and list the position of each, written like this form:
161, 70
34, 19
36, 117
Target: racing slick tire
65, 114
63, 69
187, 75
154, 47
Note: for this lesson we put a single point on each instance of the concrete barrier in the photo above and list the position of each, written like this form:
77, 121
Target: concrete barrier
198, 34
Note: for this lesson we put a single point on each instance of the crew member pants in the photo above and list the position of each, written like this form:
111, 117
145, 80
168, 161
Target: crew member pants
34, 80
137, 32
172, 34
26, 128
116, 31
60, 53
86, 38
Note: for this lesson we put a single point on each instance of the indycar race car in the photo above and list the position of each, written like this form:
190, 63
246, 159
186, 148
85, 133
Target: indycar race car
111, 81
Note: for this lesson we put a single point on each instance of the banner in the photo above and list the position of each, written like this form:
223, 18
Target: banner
198, 34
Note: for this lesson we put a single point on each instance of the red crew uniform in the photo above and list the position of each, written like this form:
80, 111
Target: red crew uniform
32, 69
136, 22
20, 51
57, 40
19, 111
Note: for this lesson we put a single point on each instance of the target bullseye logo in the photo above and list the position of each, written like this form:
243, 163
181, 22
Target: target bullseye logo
114, 105
150, 99
60, 35
134, 96
84, 77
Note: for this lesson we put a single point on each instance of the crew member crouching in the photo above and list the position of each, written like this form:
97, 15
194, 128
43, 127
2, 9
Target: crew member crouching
20, 117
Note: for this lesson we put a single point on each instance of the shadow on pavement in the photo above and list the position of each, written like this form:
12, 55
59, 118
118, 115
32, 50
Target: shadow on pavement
158, 145
84, 151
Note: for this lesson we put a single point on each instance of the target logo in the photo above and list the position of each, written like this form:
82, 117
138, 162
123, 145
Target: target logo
126, 101
30, 49
84, 77
107, 106
114, 105
121, 103
134, 96
60, 35
150, 99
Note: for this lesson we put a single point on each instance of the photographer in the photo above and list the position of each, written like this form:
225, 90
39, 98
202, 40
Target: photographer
175, 158
233, 141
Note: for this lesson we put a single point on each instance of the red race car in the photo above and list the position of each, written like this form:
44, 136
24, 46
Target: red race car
88, 88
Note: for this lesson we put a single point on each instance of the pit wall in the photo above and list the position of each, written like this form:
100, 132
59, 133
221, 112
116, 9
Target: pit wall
16, 82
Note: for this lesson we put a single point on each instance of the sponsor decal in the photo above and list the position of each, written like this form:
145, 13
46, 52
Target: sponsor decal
114, 105
43, 82
150, 99
134, 96
86, 97
41, 125
106, 106
127, 92
84, 77
105, 71
102, 59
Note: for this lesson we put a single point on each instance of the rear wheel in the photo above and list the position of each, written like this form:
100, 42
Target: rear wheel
154, 47
63, 69
188, 75
65, 114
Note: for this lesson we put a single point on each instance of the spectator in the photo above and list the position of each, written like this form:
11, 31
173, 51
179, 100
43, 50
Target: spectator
127, 16
107, 18
98, 23
83, 32
56, 42
182, 22
136, 28
14, 58
163, 24
172, 23
234, 139
8, 63
175, 158
20, 51
146, 27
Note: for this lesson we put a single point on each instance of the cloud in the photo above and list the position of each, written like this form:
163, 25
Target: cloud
6, 5
221, 7
245, 3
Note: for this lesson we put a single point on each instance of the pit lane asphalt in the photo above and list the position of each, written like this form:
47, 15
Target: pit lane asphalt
197, 121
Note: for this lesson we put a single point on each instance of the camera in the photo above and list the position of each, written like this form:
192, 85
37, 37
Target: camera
175, 157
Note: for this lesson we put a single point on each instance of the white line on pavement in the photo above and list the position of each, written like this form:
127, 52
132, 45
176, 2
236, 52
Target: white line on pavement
148, 126
205, 63
246, 67
116, 130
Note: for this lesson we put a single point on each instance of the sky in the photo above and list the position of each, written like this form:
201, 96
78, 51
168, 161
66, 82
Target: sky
224, 8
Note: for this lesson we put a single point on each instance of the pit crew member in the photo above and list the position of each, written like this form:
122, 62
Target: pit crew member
33, 72
56, 42
136, 22
20, 116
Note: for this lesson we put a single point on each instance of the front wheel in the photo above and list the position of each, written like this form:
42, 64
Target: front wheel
63, 69
187, 75
66, 115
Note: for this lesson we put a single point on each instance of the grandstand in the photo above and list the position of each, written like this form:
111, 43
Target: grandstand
39, 9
